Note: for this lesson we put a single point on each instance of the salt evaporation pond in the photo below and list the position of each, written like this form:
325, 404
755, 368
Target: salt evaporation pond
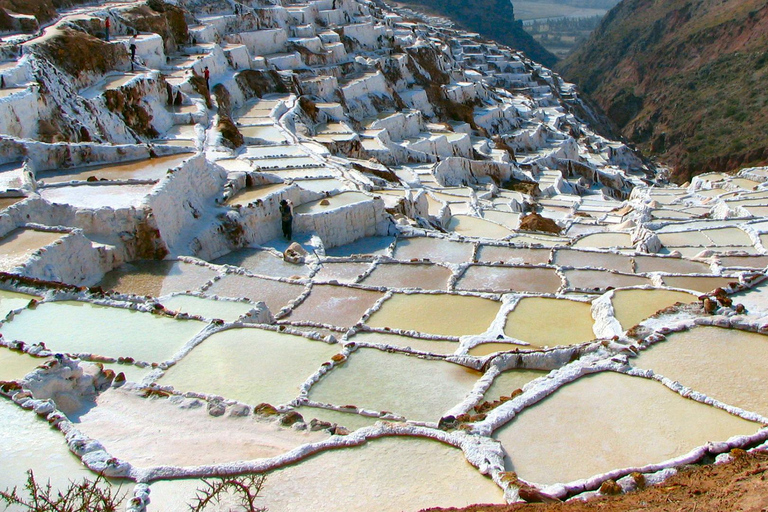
275, 294
509, 279
441, 314
18, 246
434, 249
152, 169
34, 445
155, 432
468, 225
513, 255
250, 365
252, 194
701, 284
415, 388
321, 205
81, 327
15, 365
531, 321
98, 195
387, 475
343, 272
510, 381
605, 241
725, 364
156, 278
402, 275
435, 346
610, 261
261, 262
208, 308
633, 306
607, 421
10, 301
335, 305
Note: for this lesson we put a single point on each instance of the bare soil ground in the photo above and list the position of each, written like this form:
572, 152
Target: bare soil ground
738, 486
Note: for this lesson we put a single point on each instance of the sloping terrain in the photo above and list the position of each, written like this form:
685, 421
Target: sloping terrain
682, 80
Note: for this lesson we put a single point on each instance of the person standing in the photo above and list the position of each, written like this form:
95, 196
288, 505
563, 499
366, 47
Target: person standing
107, 24
207, 75
286, 216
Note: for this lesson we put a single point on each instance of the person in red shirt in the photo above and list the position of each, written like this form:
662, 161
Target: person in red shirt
106, 29
207, 75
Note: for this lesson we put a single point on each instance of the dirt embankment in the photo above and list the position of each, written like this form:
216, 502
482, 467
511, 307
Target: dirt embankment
740, 485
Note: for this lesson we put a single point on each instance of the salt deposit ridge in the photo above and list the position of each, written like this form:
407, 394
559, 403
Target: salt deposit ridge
487, 300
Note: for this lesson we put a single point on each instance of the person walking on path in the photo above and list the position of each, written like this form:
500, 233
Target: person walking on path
286, 216
132, 47
107, 24
207, 75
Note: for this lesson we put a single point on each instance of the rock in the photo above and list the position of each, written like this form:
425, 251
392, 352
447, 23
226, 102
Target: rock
239, 410
216, 408
610, 487
535, 222
316, 424
290, 418
448, 423
325, 202
710, 306
265, 409
295, 254
191, 403
341, 431
533, 495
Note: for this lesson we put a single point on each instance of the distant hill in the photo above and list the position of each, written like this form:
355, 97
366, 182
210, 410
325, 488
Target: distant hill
493, 19
684, 79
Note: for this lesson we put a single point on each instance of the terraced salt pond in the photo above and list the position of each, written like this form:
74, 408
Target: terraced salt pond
98, 195
152, 169
80, 327
530, 322
607, 421
18, 246
14, 365
156, 278
633, 306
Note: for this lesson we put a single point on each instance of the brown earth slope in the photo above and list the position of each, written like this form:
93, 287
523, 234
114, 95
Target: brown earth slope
684, 79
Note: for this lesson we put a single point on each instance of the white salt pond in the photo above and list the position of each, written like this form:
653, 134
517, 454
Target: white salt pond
330, 203
18, 246
404, 275
387, 475
250, 365
406, 342
208, 308
156, 278
334, 305
80, 327
725, 364
509, 279
513, 255
10, 301
532, 321
605, 241
441, 314
607, 421
261, 262
154, 432
468, 225
98, 195
249, 195
510, 381
14, 365
275, 294
434, 249
415, 388
701, 284
343, 272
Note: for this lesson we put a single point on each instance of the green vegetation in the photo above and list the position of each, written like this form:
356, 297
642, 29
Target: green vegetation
493, 19
682, 79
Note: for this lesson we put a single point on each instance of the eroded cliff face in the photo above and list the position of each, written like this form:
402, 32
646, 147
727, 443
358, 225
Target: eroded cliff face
682, 80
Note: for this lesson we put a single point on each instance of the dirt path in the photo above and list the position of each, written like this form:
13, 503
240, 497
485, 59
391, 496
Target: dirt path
739, 486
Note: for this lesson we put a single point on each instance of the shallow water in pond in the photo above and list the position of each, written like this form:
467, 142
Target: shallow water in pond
434, 249
725, 364
258, 261
334, 305
415, 388
76, 327
226, 310
514, 255
698, 284
645, 264
29, 443
98, 196
511, 380
607, 421
633, 306
402, 275
252, 194
343, 199
509, 219
443, 314
600, 280
322, 185
156, 278
14, 365
275, 294
10, 301
343, 272
728, 236
250, 365
423, 345
744, 261
468, 225
386, 475
153, 432
610, 261
684, 238
350, 420
17, 246
531, 321
605, 241
509, 279
375, 245
151, 169
269, 133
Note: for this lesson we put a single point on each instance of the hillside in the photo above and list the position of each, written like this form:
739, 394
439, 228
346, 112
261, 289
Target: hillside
493, 19
682, 79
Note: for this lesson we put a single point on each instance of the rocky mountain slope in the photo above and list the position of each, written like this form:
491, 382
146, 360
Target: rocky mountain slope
682, 79
494, 19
